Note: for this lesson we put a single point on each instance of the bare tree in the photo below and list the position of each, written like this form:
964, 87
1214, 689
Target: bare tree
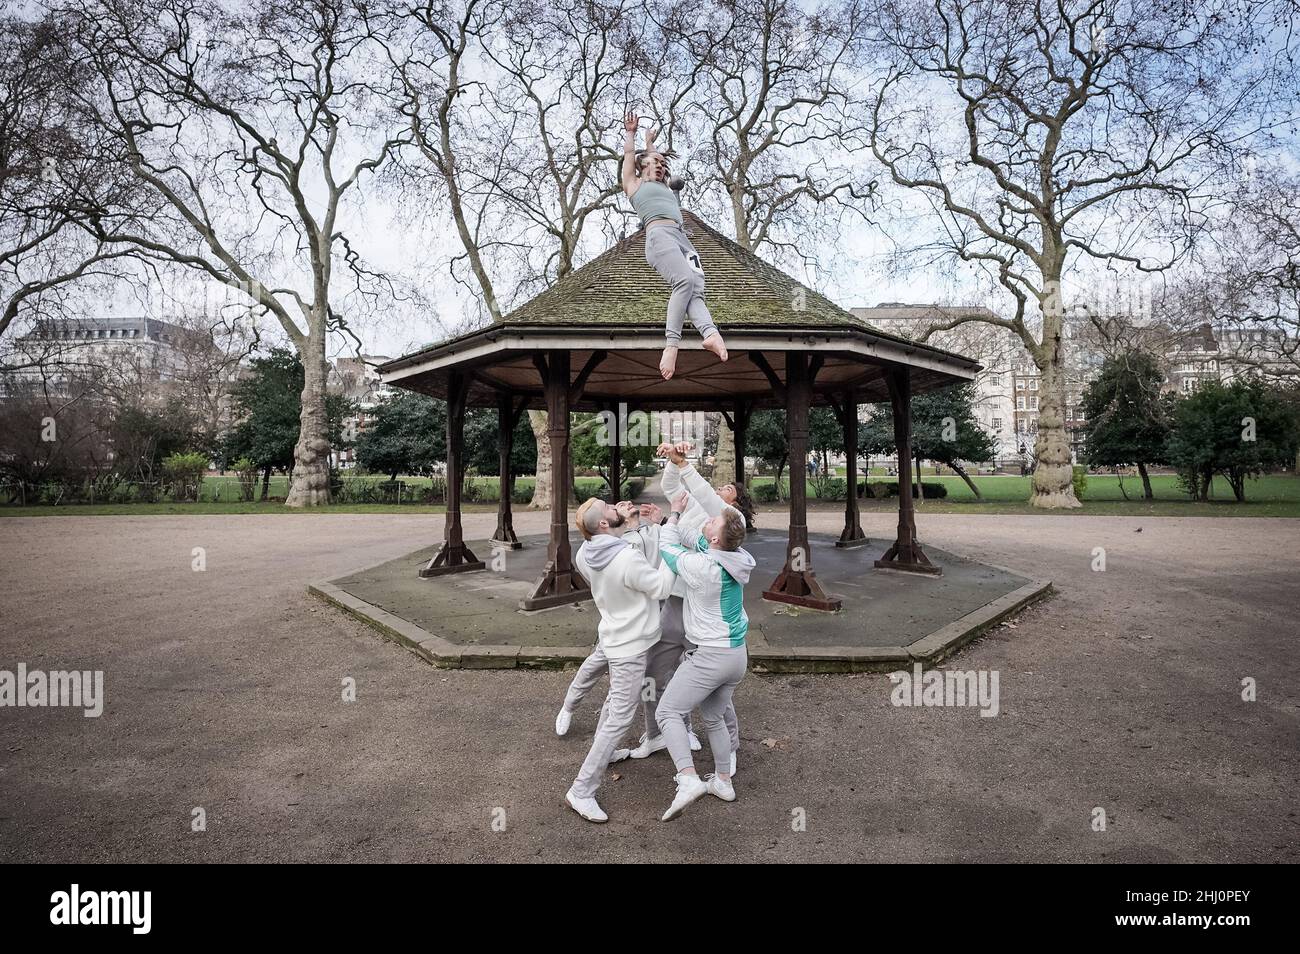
253, 125
1047, 138
58, 174
769, 101
511, 109
1255, 291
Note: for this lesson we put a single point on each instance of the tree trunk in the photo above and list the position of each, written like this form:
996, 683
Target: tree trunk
1146, 482
266, 482
724, 461
780, 468
961, 472
542, 486
1053, 480
310, 486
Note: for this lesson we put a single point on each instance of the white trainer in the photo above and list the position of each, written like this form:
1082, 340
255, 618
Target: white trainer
723, 790
588, 808
563, 721
649, 747
690, 788
695, 740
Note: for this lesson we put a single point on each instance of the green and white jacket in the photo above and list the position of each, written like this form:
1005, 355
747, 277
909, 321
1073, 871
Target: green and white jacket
713, 609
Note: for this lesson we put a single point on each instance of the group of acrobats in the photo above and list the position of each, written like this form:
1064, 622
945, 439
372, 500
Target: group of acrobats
670, 591
672, 630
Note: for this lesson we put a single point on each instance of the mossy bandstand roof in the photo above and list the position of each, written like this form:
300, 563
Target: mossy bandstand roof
616, 303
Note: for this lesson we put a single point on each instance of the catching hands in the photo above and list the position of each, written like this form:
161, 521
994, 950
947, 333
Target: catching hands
674, 452
651, 513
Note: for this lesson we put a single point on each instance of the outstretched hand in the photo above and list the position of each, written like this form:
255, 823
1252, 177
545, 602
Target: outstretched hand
631, 121
680, 501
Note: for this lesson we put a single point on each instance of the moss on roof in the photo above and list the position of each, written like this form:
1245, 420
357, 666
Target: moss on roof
618, 287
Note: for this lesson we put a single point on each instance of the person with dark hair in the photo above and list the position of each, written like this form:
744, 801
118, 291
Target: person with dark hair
653, 193
704, 502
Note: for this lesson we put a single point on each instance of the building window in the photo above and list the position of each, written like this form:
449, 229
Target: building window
995, 380
1033, 384
1033, 403
1020, 385
997, 424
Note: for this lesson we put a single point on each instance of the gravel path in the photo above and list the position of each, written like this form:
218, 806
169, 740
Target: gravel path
223, 693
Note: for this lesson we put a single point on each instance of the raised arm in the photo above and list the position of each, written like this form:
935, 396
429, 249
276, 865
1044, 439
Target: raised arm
630, 123
700, 490
685, 476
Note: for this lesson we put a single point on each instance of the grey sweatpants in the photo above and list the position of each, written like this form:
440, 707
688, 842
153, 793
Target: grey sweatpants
619, 712
589, 673
707, 677
665, 656
670, 253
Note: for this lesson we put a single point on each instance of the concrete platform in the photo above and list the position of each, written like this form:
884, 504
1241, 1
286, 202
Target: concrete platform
889, 619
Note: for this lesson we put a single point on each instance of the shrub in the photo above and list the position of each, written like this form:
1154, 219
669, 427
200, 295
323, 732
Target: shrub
831, 488
1080, 480
436, 492
880, 489
767, 493
246, 471
184, 475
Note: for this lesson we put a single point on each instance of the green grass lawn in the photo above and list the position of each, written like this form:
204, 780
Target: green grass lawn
1272, 496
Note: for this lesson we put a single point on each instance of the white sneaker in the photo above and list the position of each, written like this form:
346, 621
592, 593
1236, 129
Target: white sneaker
733, 764
649, 747
695, 740
723, 790
621, 754
562, 721
690, 788
588, 808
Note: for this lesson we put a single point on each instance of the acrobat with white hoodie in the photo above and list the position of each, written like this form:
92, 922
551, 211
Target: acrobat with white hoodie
716, 622
665, 655
646, 539
626, 590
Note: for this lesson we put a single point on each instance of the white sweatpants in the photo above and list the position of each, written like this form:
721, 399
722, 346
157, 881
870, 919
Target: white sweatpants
707, 677
619, 713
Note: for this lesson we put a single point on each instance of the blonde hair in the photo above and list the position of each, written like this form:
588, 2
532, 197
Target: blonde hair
580, 518
733, 530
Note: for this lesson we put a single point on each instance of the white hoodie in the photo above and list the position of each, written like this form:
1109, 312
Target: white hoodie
626, 589
703, 505
713, 611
